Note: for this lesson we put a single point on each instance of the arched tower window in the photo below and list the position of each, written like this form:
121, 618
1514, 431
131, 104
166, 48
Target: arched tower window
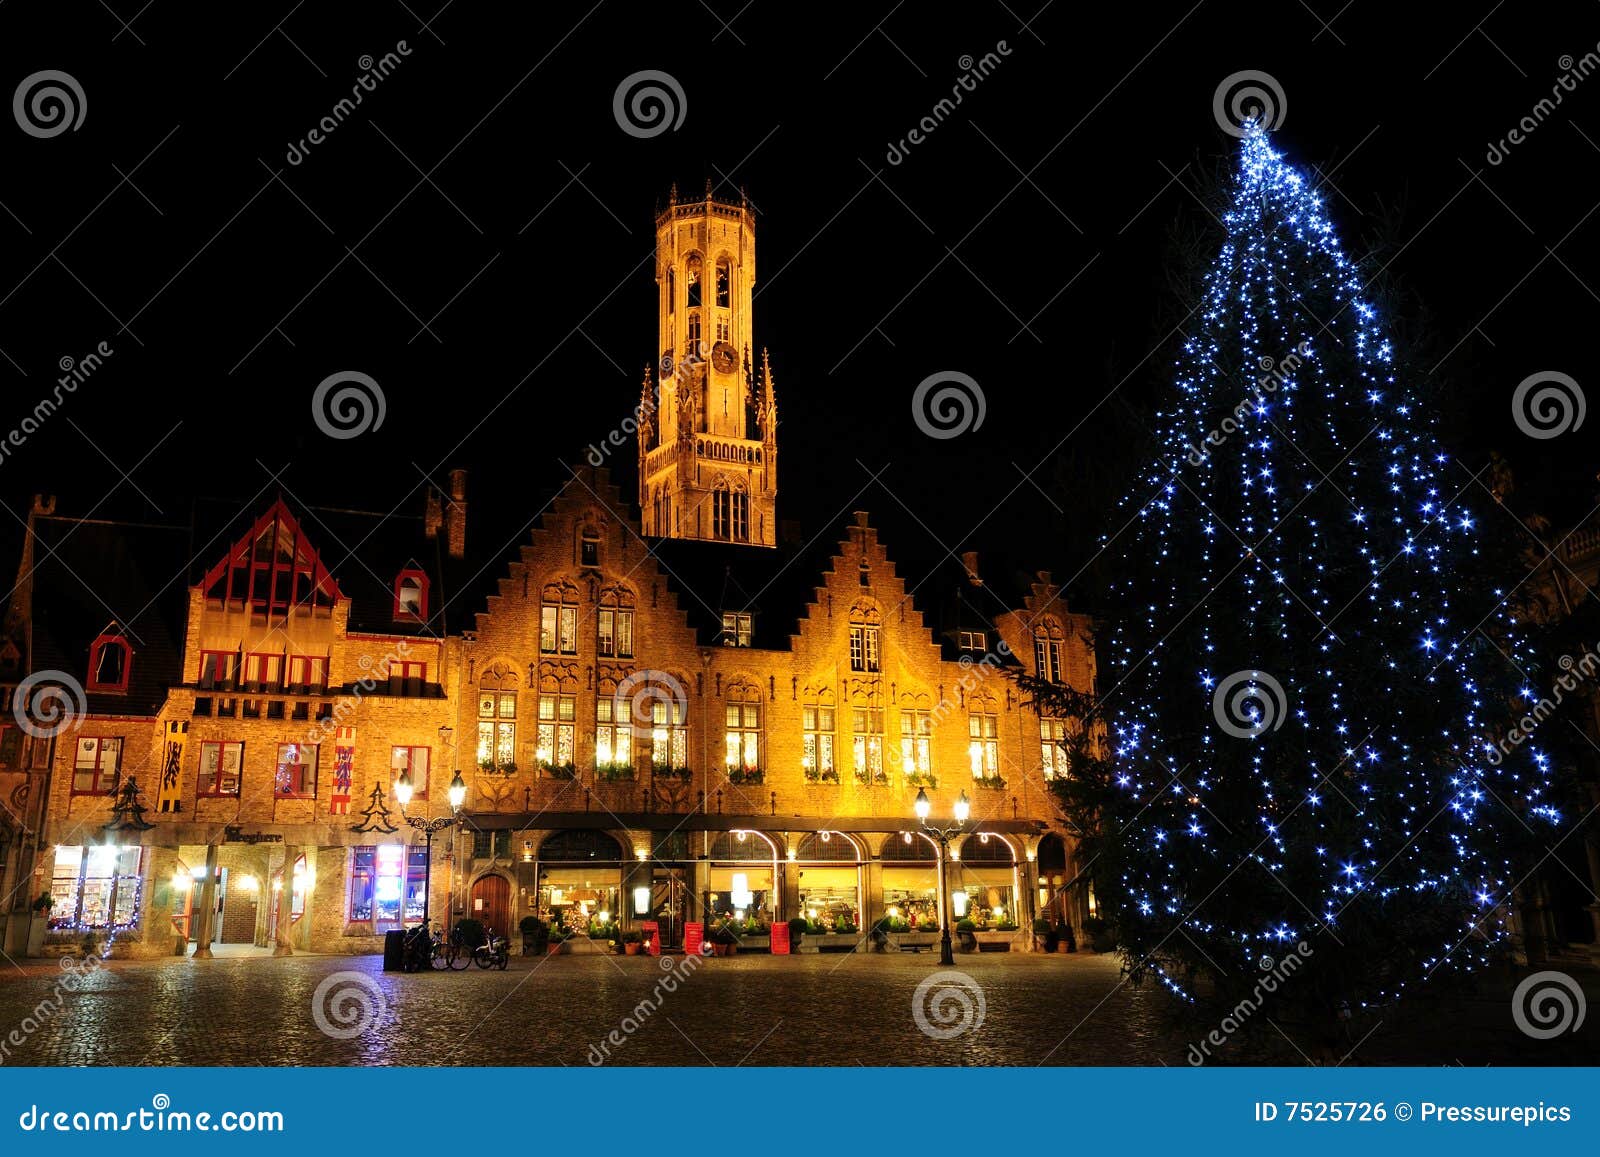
724, 283
694, 333
694, 271
672, 291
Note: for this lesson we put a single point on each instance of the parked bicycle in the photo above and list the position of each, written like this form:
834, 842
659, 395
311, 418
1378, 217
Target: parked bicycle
496, 953
428, 949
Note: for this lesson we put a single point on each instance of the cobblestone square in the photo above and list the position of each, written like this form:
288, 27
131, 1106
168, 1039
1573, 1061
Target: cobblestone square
1011, 1009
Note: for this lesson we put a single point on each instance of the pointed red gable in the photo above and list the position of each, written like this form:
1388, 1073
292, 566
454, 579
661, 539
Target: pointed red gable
273, 567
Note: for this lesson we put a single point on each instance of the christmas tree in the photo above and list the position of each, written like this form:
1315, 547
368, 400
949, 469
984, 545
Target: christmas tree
1309, 664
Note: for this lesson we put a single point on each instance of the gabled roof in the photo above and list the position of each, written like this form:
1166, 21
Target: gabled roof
272, 567
92, 579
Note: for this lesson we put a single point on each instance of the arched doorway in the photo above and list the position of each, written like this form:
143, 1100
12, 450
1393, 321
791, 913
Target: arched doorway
983, 882
491, 903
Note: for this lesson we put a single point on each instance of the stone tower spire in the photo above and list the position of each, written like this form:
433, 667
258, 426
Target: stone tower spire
707, 456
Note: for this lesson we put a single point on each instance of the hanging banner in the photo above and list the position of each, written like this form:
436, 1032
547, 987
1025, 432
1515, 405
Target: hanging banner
170, 796
344, 762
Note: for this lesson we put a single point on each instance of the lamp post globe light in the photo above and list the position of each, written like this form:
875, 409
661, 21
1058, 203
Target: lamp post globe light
457, 794
942, 836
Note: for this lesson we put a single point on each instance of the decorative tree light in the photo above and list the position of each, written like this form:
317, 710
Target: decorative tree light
1307, 666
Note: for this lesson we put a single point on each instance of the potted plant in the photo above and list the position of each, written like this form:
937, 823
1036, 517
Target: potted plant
1044, 936
798, 927
558, 936
966, 932
725, 941
535, 935
486, 766
1065, 940
1099, 934
632, 942
469, 933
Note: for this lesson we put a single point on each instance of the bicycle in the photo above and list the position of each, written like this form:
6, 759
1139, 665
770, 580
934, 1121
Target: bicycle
495, 953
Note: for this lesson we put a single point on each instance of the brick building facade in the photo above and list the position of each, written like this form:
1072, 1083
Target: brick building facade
665, 712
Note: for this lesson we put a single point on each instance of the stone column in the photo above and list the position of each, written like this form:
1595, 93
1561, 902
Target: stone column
207, 905
283, 944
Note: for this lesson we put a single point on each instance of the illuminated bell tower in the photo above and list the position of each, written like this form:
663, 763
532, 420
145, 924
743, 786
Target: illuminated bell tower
708, 453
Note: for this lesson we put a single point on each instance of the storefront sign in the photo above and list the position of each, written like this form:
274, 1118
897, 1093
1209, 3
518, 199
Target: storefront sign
652, 936
693, 938
780, 938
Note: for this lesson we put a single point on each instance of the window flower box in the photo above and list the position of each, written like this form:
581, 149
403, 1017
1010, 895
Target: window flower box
746, 776
679, 773
613, 772
921, 779
992, 782
822, 775
872, 778
558, 771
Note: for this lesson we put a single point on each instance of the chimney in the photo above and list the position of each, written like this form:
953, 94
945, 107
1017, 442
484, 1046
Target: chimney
432, 514
455, 515
969, 563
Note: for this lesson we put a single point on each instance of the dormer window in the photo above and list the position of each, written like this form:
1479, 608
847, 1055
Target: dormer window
736, 629
865, 573
589, 548
411, 596
974, 642
109, 660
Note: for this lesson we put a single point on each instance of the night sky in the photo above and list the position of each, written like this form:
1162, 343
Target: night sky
477, 236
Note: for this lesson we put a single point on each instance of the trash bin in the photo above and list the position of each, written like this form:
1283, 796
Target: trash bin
394, 951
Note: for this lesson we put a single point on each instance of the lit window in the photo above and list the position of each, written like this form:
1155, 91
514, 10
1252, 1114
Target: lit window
557, 735
615, 633
613, 735
96, 766
817, 759
386, 885
974, 642
497, 730
742, 737
263, 672
218, 670
669, 735
415, 760
863, 648
724, 283
867, 744
1053, 747
916, 733
220, 766
736, 629
95, 887
297, 771
407, 678
411, 595
558, 629
692, 272
308, 672
109, 660
983, 748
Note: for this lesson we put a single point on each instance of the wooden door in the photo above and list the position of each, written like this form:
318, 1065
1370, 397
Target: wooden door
491, 903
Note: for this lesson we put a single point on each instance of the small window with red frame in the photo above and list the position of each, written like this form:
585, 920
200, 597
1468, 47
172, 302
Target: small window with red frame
96, 765
411, 596
109, 660
297, 771
220, 764
308, 672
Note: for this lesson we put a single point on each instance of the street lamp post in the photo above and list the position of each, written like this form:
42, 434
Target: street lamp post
458, 795
943, 836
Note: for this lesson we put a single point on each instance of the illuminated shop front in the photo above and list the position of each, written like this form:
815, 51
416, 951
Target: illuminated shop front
95, 887
828, 865
983, 882
386, 885
911, 879
580, 879
740, 881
